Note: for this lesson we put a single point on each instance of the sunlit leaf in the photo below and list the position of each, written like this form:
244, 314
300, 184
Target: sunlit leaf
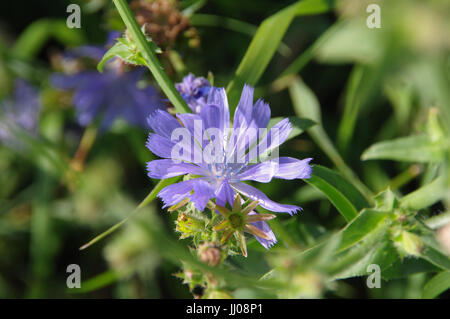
418, 148
366, 222
426, 195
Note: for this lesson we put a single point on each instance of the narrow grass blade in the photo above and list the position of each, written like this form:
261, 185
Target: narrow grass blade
416, 148
437, 285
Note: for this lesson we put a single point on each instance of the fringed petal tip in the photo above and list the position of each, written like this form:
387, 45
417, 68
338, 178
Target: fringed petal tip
308, 169
267, 244
295, 210
271, 243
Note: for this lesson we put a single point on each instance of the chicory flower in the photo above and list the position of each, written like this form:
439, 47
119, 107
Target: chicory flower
110, 95
194, 91
221, 172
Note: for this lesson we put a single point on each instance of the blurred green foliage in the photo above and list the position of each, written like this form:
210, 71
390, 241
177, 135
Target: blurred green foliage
374, 109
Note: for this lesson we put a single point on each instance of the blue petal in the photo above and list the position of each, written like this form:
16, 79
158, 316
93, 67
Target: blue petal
283, 167
262, 172
267, 243
264, 201
212, 117
197, 190
165, 168
225, 194
175, 193
261, 114
243, 113
181, 149
159, 145
203, 192
163, 123
292, 168
189, 121
276, 136
218, 96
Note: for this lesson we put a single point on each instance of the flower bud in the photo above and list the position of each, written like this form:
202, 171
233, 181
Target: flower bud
408, 243
210, 254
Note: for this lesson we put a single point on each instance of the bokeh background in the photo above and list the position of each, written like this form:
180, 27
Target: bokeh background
46, 215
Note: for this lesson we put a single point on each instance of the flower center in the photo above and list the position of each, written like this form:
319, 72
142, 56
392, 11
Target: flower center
236, 221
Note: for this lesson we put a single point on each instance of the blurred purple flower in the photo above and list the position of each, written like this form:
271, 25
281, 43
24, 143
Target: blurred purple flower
194, 91
110, 95
221, 176
19, 112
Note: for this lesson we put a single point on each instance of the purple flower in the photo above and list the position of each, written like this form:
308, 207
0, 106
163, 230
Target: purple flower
19, 112
220, 174
194, 91
109, 95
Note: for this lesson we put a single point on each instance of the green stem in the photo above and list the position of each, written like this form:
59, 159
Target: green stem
405, 177
150, 57
86, 143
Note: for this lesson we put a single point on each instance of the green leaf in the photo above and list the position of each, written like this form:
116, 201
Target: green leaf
322, 255
127, 51
344, 196
299, 125
375, 249
123, 51
435, 257
418, 148
95, 283
431, 251
437, 285
425, 195
407, 266
35, 36
366, 222
265, 43
437, 221
351, 108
